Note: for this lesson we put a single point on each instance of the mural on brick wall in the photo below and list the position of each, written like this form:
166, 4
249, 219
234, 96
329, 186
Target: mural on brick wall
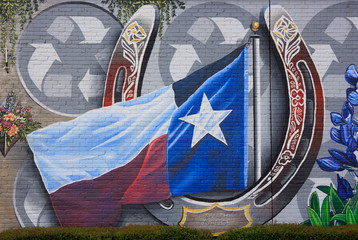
66, 39
167, 131
16, 122
340, 205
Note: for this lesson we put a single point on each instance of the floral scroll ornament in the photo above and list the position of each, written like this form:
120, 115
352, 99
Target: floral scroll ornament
298, 97
287, 38
134, 33
285, 29
132, 51
285, 157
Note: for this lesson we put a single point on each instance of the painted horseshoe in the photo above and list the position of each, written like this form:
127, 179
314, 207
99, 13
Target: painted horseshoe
272, 192
130, 56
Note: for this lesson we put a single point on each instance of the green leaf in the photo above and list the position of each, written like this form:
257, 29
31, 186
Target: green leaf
314, 202
347, 204
353, 201
324, 189
355, 212
349, 216
307, 223
336, 201
339, 217
314, 217
325, 212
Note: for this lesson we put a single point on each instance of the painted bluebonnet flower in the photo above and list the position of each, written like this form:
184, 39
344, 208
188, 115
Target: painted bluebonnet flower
344, 189
347, 134
351, 77
338, 161
10, 102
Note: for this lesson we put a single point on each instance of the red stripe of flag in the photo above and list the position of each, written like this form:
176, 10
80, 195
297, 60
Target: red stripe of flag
98, 202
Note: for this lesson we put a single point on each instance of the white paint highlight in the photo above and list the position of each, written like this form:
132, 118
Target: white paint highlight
41, 61
89, 85
339, 29
61, 28
232, 29
32, 208
92, 28
354, 20
182, 61
202, 29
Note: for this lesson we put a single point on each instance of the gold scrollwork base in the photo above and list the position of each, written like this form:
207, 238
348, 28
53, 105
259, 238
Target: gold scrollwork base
217, 218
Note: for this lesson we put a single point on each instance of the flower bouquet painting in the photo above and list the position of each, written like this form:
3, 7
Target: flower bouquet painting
15, 123
340, 206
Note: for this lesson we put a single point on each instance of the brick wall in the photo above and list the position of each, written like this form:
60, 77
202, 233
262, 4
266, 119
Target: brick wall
63, 57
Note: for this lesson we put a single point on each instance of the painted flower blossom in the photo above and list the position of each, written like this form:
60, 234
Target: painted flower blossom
347, 134
338, 161
134, 33
344, 189
285, 158
10, 117
15, 120
298, 97
285, 29
351, 77
10, 102
27, 109
13, 130
6, 124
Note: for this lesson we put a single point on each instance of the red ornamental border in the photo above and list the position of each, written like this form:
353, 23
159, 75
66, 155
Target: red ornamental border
288, 49
132, 50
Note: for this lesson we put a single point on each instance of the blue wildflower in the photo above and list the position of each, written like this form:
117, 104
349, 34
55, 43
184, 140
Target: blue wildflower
346, 117
344, 189
338, 161
10, 102
347, 134
351, 77
329, 164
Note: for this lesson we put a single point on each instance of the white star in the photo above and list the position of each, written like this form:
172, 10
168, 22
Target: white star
207, 122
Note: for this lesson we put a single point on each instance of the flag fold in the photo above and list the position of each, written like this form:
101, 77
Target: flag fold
186, 138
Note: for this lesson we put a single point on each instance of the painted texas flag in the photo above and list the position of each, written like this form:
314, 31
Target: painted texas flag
186, 138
